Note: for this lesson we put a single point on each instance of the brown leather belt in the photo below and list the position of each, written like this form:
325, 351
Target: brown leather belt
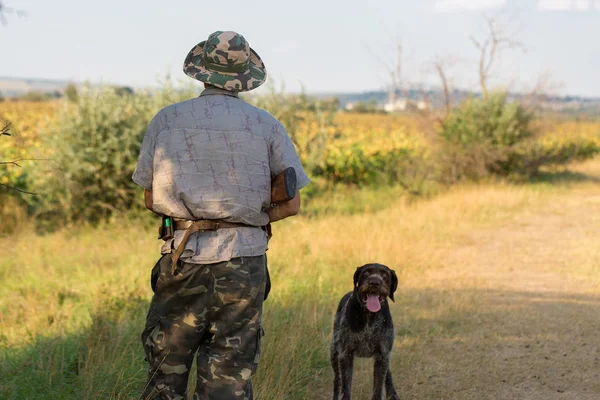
198, 226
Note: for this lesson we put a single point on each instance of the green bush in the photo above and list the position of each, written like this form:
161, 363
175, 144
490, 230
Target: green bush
494, 121
369, 107
407, 167
94, 145
36, 95
495, 136
71, 92
478, 137
527, 158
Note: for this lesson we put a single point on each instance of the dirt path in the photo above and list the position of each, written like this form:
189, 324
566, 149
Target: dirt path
514, 313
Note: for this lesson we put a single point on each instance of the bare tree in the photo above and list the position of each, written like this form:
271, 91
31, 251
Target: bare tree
440, 66
496, 41
392, 67
544, 86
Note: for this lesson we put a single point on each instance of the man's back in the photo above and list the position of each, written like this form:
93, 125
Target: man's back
213, 157
212, 160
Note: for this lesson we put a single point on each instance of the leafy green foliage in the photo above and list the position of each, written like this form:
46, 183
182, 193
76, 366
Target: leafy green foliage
95, 143
495, 136
71, 92
369, 106
36, 95
527, 158
406, 167
494, 122
478, 137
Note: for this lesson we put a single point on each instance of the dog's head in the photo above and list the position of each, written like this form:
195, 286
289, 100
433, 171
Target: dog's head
373, 283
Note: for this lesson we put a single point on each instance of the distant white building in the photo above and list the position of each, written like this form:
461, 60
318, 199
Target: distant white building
396, 104
400, 104
422, 105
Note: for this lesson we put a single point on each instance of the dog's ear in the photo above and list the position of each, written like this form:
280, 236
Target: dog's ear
394, 284
356, 276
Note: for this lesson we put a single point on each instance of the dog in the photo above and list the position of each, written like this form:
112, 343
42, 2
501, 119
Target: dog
363, 327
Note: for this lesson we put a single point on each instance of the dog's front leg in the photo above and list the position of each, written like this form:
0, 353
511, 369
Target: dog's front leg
337, 379
390, 392
380, 369
345, 367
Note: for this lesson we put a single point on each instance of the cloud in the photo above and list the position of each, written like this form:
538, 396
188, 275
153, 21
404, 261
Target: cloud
460, 5
568, 5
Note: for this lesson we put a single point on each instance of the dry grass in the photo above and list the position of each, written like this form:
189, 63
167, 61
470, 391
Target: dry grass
485, 271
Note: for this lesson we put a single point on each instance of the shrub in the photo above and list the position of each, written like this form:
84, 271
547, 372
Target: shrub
369, 106
36, 96
478, 137
495, 136
407, 166
71, 92
94, 146
493, 121
527, 158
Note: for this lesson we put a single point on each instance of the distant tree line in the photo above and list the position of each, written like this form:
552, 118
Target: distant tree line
70, 92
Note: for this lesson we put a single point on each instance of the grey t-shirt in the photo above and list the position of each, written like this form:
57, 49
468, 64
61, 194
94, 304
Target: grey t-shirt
213, 157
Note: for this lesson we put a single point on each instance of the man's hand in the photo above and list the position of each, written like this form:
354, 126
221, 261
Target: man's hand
148, 199
285, 209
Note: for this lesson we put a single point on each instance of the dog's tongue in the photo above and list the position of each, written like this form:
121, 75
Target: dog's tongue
373, 304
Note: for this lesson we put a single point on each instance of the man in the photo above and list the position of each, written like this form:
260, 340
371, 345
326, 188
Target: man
212, 158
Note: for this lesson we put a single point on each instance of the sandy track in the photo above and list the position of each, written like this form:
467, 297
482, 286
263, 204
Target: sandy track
518, 311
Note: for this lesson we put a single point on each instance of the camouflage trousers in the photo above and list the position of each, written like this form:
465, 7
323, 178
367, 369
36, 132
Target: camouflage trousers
211, 312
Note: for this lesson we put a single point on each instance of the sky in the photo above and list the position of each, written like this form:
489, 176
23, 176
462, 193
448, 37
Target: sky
317, 45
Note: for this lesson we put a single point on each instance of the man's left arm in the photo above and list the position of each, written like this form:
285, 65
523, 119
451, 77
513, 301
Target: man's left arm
144, 170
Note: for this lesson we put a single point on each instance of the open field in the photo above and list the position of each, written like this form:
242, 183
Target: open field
498, 299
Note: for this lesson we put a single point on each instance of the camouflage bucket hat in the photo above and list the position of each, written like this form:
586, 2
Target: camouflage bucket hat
226, 61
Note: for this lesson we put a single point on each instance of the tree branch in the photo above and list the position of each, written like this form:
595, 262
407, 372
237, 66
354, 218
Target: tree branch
10, 162
5, 129
18, 190
377, 58
15, 162
490, 49
439, 67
